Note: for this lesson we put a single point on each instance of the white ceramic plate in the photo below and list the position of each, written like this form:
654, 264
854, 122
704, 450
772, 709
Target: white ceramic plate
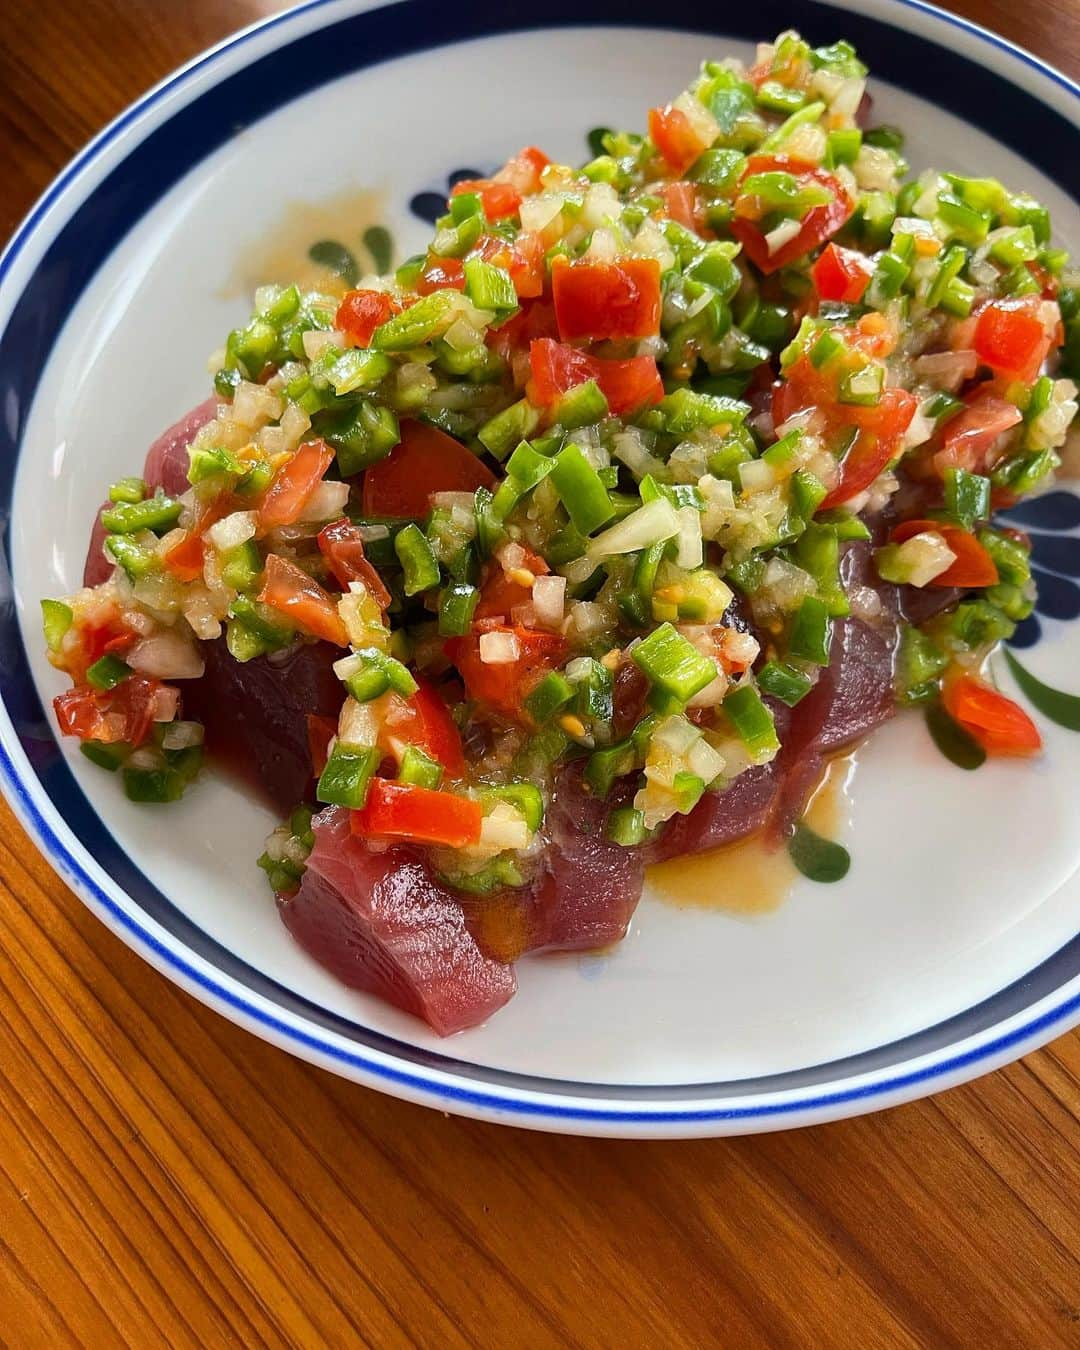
952, 945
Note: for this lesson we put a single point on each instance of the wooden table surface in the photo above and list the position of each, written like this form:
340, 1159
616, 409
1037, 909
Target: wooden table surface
167, 1178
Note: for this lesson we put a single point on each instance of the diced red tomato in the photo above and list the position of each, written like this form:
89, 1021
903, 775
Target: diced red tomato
405, 811
841, 274
342, 545
500, 594
320, 732
184, 559
682, 202
424, 461
1011, 337
970, 435
424, 720
524, 171
526, 265
499, 199
294, 483
302, 600
504, 686
607, 299
361, 312
627, 385
676, 137
881, 429
121, 714
818, 225
441, 274
996, 722
973, 566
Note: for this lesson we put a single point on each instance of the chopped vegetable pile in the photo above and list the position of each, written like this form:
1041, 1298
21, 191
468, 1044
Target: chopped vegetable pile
582, 537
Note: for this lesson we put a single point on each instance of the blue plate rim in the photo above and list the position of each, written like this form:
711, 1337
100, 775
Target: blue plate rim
427, 1086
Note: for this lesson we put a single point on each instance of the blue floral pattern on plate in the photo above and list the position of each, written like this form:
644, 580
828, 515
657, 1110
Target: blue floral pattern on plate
1053, 524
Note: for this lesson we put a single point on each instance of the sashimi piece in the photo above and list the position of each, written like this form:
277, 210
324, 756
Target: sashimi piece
255, 713
587, 888
380, 922
167, 461
166, 467
853, 695
721, 817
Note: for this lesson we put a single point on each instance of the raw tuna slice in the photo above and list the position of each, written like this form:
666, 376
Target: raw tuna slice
166, 467
255, 714
721, 817
583, 893
587, 888
380, 922
853, 695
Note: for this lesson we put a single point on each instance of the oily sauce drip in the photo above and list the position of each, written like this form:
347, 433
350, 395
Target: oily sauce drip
754, 876
281, 255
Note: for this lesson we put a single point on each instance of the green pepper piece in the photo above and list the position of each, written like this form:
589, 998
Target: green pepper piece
347, 775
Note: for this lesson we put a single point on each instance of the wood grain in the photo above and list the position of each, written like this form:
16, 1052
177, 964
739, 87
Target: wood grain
166, 1179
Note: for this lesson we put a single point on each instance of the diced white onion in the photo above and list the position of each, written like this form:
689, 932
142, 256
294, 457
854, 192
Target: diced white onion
924, 557
757, 475
703, 760
316, 341
447, 501
587, 617
549, 600
691, 552
499, 649
503, 828
369, 534
254, 404
166, 656
787, 585
782, 234
232, 531
181, 735
676, 734
947, 370
326, 502
166, 702
649, 524
360, 723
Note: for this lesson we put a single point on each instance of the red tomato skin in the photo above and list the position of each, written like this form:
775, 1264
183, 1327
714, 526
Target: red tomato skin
969, 436
499, 199
441, 274
424, 461
524, 171
600, 300
435, 731
302, 600
973, 567
819, 223
682, 202
294, 483
1011, 338
185, 558
500, 593
342, 545
674, 136
999, 725
405, 811
504, 687
880, 427
361, 312
841, 274
627, 385
120, 714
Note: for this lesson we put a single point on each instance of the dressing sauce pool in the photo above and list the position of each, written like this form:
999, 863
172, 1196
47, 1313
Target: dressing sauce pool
751, 877
281, 254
